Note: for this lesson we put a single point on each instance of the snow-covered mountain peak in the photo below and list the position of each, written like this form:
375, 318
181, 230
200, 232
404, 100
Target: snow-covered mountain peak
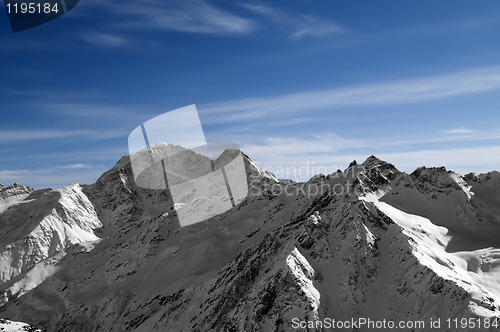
12, 195
435, 181
42, 223
352, 163
14, 190
372, 176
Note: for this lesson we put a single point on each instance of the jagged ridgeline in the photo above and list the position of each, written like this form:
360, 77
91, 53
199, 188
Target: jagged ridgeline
370, 243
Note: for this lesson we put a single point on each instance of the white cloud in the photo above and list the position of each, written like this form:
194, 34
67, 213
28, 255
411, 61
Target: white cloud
300, 159
85, 109
191, 16
456, 137
12, 136
462, 160
312, 26
27, 135
259, 9
93, 154
299, 25
402, 92
460, 130
285, 146
54, 178
327, 153
103, 39
252, 126
73, 166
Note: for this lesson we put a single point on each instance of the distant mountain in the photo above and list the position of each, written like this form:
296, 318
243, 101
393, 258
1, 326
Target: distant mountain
12, 194
369, 243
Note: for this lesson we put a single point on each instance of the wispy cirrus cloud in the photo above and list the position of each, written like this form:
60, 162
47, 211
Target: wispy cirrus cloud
460, 130
103, 39
315, 27
200, 17
392, 93
76, 103
83, 109
298, 26
190, 16
253, 126
274, 146
7, 136
330, 143
50, 177
95, 155
75, 166
301, 158
259, 8
36, 74
10, 136
480, 159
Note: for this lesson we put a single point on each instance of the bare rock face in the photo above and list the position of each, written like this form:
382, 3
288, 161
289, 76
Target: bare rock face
384, 245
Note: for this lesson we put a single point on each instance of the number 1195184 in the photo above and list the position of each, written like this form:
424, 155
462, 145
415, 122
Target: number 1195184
471, 323
31, 8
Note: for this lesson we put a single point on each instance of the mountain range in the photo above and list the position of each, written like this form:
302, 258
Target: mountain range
366, 244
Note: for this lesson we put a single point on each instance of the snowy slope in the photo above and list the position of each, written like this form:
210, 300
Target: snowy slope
41, 226
455, 232
12, 195
10, 326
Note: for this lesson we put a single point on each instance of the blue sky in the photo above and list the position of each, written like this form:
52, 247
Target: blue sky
294, 83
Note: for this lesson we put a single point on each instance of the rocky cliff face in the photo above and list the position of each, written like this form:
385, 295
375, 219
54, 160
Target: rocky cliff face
389, 245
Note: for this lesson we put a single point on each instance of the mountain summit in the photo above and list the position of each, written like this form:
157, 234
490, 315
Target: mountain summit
370, 243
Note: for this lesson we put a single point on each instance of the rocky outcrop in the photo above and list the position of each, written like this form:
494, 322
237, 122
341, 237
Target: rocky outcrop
14, 190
